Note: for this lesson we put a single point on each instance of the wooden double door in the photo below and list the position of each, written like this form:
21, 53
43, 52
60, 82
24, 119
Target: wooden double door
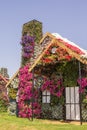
72, 104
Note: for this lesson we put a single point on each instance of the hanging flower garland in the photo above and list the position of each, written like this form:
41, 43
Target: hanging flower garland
25, 95
27, 43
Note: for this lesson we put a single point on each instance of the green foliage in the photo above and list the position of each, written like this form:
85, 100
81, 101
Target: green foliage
70, 75
3, 103
69, 71
34, 28
84, 98
3, 96
24, 61
3, 106
55, 100
85, 101
12, 93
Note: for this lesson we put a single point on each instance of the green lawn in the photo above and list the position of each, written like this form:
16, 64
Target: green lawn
13, 123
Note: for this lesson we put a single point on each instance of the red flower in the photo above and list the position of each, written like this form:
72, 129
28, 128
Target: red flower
68, 57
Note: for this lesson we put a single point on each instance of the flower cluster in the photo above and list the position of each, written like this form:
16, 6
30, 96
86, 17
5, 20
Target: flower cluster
55, 87
55, 54
72, 46
25, 95
83, 83
27, 43
14, 83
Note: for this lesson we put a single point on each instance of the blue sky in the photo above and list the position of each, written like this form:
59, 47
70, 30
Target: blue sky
66, 17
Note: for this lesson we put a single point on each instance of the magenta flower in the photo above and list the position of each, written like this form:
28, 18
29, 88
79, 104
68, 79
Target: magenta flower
25, 94
55, 88
83, 83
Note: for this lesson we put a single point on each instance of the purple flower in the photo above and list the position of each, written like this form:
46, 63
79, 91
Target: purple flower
27, 43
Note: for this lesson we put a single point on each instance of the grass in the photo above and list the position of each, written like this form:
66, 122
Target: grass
8, 122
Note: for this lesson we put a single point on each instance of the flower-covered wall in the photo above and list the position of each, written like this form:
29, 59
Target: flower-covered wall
31, 98
52, 91
53, 81
48, 94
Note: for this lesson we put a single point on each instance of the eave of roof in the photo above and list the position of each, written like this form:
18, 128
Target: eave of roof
69, 43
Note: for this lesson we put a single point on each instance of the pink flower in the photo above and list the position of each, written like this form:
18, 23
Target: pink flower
59, 94
83, 83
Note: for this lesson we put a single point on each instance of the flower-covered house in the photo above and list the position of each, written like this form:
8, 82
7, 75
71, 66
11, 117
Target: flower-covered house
52, 83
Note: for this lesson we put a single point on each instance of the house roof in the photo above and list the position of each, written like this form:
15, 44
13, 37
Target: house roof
49, 40
70, 44
73, 50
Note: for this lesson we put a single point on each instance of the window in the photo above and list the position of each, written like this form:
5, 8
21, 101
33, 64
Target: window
46, 96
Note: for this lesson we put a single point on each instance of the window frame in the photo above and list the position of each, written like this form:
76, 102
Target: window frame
46, 96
